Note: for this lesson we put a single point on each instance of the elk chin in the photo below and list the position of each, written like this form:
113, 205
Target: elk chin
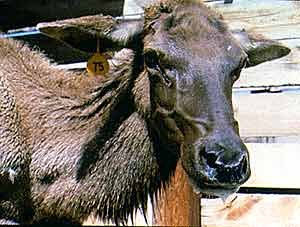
211, 191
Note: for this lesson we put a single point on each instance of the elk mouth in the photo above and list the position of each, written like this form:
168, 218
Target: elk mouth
213, 191
209, 188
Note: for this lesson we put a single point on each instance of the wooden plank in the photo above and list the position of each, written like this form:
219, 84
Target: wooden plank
276, 114
178, 205
273, 18
271, 139
252, 211
274, 165
132, 7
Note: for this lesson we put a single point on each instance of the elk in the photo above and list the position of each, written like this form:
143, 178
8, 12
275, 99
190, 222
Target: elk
72, 144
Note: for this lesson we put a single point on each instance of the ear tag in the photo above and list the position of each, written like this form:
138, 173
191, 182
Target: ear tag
97, 65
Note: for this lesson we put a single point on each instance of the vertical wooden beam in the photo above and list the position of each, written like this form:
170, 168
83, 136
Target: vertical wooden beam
178, 205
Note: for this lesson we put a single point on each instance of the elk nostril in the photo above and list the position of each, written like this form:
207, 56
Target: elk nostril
211, 159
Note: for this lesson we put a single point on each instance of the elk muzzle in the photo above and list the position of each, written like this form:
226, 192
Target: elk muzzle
225, 160
217, 164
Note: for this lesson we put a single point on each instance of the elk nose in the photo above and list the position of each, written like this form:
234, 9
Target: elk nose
226, 164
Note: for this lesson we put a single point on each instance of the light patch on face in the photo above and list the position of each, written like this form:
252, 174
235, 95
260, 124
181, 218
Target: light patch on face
229, 48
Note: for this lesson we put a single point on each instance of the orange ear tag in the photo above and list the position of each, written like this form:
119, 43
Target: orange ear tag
97, 65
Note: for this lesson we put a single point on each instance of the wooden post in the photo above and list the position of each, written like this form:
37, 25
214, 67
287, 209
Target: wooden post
178, 205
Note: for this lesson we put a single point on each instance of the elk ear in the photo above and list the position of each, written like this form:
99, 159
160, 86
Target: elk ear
83, 32
259, 48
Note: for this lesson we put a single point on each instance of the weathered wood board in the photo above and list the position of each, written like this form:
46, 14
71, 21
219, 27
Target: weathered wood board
276, 19
274, 165
265, 114
252, 211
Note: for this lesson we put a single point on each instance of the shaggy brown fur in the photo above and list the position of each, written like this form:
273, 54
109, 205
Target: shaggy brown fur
63, 114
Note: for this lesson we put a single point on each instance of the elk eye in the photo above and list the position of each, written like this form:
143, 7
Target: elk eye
151, 58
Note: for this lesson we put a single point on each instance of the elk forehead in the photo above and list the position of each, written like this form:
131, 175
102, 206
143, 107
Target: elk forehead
192, 31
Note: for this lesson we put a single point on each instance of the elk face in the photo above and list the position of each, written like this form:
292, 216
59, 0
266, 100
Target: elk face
192, 62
